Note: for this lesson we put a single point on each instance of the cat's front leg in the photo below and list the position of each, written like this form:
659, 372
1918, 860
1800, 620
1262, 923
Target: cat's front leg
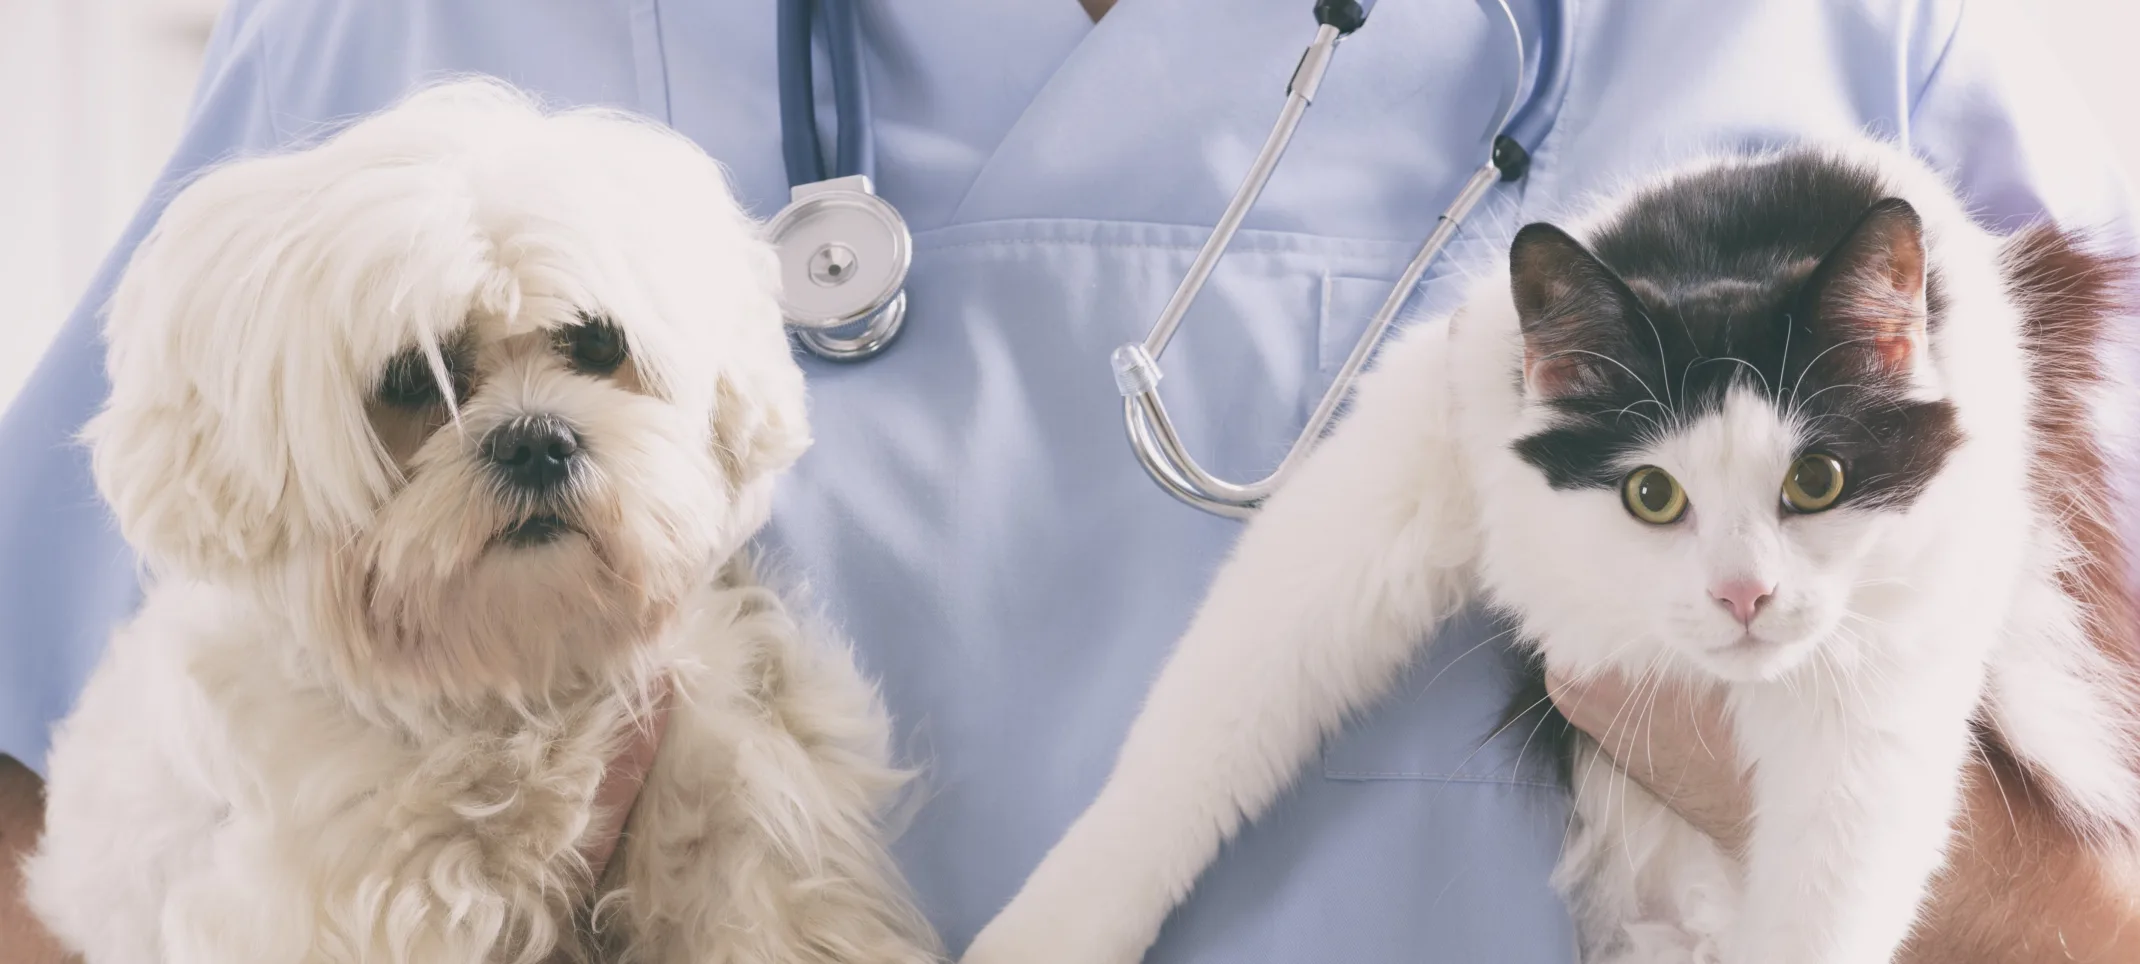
1325, 599
1854, 794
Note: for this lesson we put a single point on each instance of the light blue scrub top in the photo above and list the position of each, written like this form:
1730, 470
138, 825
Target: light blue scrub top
971, 513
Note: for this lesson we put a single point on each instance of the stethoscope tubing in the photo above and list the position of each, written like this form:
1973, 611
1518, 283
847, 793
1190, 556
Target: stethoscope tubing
1515, 133
802, 151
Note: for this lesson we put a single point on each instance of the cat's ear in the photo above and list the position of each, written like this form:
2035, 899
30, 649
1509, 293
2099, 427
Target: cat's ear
1869, 293
1573, 310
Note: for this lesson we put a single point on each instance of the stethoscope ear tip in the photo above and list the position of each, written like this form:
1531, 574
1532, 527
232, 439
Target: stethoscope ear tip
1346, 15
1510, 158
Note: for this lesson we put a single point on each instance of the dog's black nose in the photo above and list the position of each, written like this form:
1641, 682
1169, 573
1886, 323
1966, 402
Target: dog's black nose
534, 453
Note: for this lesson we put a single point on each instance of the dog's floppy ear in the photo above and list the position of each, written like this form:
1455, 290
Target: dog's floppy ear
761, 421
188, 450
240, 340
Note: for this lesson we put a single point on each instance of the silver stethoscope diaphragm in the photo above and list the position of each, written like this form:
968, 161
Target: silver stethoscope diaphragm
844, 251
844, 255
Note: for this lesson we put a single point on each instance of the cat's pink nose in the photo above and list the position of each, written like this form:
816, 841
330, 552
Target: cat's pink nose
1743, 597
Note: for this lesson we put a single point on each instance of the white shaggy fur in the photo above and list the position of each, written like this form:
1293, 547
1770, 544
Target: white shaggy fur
1855, 719
353, 720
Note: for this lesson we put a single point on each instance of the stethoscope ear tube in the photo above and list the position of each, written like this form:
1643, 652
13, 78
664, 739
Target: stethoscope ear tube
844, 252
1528, 127
800, 150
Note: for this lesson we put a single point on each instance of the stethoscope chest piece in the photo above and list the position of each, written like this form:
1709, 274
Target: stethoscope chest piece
844, 255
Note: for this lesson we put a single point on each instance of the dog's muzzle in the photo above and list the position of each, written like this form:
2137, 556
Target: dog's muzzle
533, 455
534, 458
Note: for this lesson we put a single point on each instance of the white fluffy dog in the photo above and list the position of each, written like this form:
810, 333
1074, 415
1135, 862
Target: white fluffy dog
441, 441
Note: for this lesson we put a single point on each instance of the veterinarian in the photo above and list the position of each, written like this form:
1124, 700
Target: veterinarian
970, 513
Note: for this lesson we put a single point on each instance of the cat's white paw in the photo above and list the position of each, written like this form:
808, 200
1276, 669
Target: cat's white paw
1656, 942
1796, 948
1044, 926
1098, 898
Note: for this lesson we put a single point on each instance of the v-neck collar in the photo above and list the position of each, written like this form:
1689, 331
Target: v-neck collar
1156, 113
988, 110
950, 79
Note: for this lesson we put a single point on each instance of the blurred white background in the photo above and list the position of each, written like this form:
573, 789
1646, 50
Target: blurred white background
92, 96
93, 93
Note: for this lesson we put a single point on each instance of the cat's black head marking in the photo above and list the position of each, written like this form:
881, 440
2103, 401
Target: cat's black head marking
1795, 277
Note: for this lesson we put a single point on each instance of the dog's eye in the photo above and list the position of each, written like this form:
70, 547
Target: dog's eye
595, 345
408, 382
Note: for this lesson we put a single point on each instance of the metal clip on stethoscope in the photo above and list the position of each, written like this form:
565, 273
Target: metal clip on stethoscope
1136, 364
844, 252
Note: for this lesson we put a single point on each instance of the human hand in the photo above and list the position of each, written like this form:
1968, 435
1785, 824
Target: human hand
1674, 741
2020, 887
23, 937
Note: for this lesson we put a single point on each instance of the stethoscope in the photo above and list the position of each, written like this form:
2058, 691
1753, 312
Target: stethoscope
844, 251
813, 231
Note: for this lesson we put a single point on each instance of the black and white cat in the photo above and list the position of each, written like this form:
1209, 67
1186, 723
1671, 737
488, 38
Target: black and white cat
1789, 425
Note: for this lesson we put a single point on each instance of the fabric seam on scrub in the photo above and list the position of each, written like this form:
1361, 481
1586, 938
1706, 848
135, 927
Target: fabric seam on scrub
651, 71
1408, 776
1395, 249
233, 23
260, 90
1939, 63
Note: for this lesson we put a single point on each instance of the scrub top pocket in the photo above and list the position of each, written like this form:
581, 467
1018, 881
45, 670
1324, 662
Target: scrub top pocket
1445, 719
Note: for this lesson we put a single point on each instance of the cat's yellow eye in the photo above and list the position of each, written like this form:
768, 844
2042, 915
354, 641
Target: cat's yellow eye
1814, 483
1653, 495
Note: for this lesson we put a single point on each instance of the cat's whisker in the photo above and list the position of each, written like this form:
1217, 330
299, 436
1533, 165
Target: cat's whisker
1644, 693
1622, 366
1861, 671
1847, 692
1629, 409
1800, 383
1689, 329
2013, 821
1686, 371
1664, 363
1815, 420
1783, 360
1649, 723
1749, 366
1625, 702
1524, 748
1857, 686
1694, 723
1490, 737
1799, 404
1659, 681
1533, 707
1873, 621
1481, 644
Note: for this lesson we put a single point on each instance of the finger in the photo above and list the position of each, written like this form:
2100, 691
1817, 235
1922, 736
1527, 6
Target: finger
1640, 725
1591, 702
1674, 741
